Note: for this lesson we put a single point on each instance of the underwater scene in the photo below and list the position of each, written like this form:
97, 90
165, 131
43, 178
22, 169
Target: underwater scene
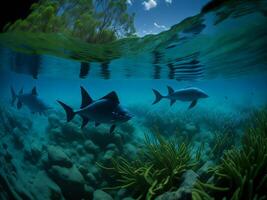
93, 109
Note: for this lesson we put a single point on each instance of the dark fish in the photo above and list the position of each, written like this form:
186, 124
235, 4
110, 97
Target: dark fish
31, 100
191, 94
104, 110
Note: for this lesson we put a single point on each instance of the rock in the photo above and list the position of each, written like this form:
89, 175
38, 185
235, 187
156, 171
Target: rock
89, 191
118, 139
8, 157
203, 171
5, 146
90, 178
108, 156
56, 135
83, 170
87, 159
128, 198
111, 146
127, 128
53, 121
33, 154
71, 132
189, 177
17, 139
185, 189
44, 188
121, 193
80, 150
191, 128
101, 195
95, 171
91, 147
129, 150
70, 180
56, 156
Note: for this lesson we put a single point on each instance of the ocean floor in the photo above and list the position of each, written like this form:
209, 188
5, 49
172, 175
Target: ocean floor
44, 157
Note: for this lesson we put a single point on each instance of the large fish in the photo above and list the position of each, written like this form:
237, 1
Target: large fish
104, 110
31, 100
190, 94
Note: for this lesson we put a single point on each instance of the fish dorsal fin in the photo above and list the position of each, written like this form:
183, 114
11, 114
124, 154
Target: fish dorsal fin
86, 99
112, 96
21, 91
34, 91
170, 90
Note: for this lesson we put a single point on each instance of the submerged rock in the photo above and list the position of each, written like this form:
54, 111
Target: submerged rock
90, 178
112, 146
89, 191
56, 156
53, 121
130, 150
17, 138
91, 147
108, 156
191, 128
203, 171
43, 188
70, 180
101, 195
185, 189
33, 154
128, 198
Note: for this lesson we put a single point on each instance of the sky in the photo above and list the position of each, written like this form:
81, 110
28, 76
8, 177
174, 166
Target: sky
154, 16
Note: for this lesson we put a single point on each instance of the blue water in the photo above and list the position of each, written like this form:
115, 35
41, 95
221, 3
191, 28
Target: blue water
222, 52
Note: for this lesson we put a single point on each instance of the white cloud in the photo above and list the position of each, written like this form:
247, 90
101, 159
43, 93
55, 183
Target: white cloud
130, 2
168, 1
149, 4
160, 26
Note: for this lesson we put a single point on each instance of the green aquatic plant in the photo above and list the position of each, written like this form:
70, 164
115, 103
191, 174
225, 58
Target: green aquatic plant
242, 173
223, 140
158, 167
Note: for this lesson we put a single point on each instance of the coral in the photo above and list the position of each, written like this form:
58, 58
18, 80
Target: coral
242, 173
158, 167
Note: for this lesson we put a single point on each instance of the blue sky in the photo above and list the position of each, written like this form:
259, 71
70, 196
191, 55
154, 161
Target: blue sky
154, 16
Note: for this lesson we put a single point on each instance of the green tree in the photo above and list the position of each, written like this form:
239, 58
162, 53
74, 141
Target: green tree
94, 21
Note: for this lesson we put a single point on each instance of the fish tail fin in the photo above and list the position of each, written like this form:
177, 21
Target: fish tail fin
69, 111
13, 95
157, 95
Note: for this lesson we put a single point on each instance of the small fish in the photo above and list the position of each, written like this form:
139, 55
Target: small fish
31, 100
191, 94
104, 110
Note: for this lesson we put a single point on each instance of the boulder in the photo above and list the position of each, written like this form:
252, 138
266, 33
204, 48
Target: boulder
56, 156
185, 189
43, 188
128, 198
101, 195
70, 180
191, 128
129, 150
53, 121
91, 147
109, 154
89, 191
203, 171
90, 178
